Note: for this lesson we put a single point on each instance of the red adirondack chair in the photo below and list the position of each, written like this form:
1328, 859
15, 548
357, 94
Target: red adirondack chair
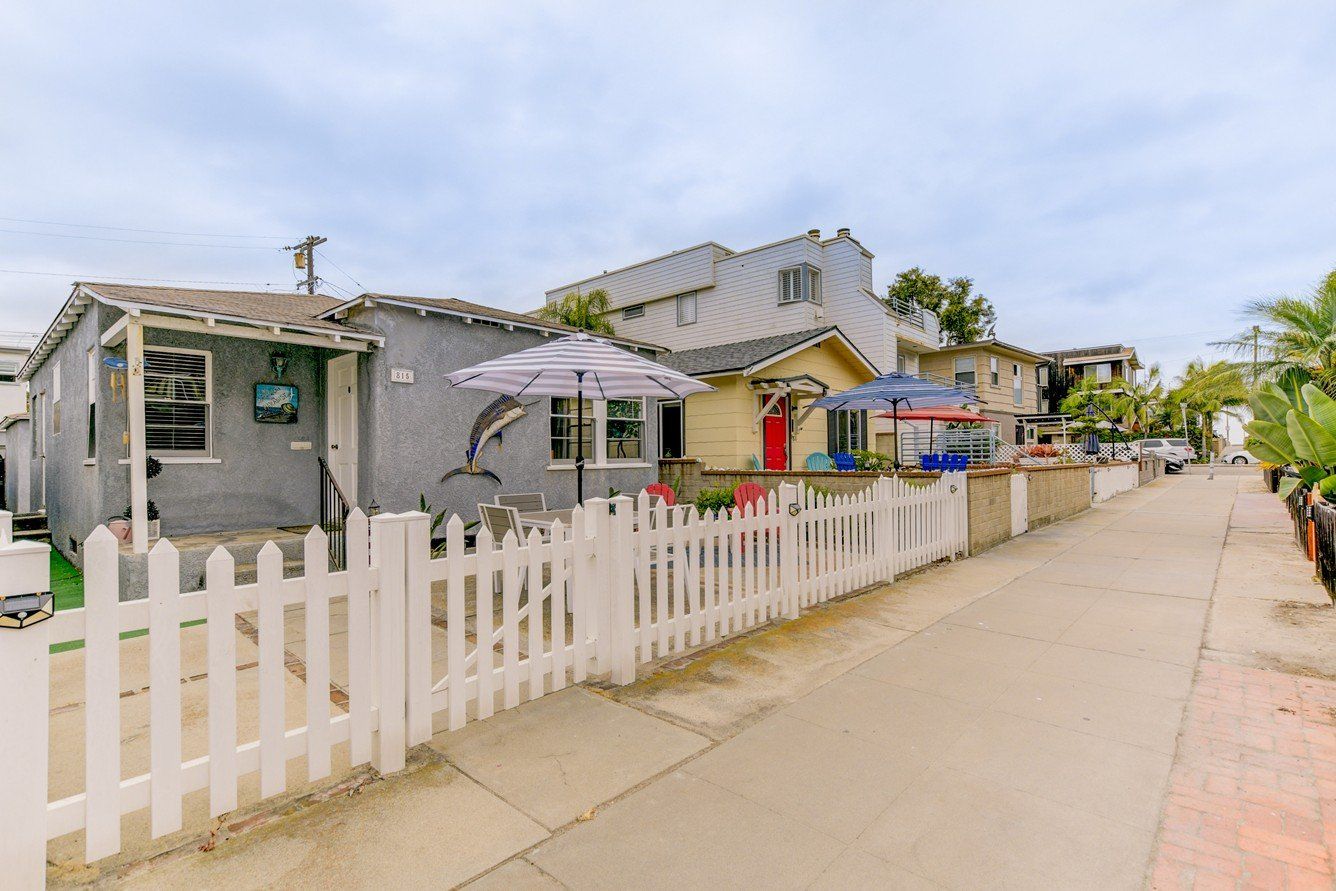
664, 491
750, 493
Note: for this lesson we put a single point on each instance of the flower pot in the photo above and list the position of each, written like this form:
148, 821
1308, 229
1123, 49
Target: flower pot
153, 529
120, 528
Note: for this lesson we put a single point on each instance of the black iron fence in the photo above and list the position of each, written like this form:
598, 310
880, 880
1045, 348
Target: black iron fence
333, 514
1297, 503
1324, 528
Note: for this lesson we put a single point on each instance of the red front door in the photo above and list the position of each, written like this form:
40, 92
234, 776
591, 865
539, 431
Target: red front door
776, 435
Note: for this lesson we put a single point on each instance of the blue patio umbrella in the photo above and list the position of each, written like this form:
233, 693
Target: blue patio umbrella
893, 391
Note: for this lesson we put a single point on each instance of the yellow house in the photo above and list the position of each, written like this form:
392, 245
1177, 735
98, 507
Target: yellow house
1006, 378
761, 413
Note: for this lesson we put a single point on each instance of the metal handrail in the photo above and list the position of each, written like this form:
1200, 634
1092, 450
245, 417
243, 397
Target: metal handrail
334, 510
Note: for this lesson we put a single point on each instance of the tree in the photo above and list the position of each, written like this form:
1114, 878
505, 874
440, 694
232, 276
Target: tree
1087, 392
1135, 403
584, 311
1209, 390
1293, 338
964, 316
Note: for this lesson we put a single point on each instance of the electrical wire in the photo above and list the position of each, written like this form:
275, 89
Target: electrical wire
235, 247
143, 231
341, 269
88, 276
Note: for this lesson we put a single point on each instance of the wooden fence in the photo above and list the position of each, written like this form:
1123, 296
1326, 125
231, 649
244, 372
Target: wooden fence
626, 582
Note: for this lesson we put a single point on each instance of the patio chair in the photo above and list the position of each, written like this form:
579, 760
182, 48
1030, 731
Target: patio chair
754, 463
664, 491
499, 520
928, 462
820, 461
524, 502
844, 461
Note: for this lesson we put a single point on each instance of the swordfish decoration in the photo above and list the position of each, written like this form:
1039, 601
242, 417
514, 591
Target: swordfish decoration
491, 421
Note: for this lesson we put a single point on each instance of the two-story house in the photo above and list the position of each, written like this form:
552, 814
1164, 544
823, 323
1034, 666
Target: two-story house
1005, 377
1104, 363
774, 327
14, 349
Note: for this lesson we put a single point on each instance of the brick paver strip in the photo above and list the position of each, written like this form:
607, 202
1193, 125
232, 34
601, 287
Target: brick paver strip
1252, 795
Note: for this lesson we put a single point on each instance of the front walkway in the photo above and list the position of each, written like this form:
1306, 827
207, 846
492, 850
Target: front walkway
1009, 720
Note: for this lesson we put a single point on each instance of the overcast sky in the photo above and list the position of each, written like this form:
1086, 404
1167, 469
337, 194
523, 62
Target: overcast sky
1105, 172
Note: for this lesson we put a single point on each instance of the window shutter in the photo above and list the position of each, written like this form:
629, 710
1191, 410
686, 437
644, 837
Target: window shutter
832, 425
862, 430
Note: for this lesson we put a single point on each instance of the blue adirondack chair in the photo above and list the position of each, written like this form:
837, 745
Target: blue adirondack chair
820, 461
928, 462
844, 461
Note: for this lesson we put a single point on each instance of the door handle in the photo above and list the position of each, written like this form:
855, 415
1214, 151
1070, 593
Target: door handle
334, 446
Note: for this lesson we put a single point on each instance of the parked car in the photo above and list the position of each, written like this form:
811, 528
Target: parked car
1178, 448
1237, 454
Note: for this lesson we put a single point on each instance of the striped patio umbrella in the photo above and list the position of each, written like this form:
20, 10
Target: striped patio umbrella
895, 390
576, 366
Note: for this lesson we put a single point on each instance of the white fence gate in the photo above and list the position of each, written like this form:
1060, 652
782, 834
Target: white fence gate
628, 581
1020, 504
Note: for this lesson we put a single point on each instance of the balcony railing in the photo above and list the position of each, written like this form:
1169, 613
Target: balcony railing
945, 381
909, 311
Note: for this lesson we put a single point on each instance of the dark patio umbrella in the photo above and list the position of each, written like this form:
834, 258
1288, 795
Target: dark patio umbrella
896, 390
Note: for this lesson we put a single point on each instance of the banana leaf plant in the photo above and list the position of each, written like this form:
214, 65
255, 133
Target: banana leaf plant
1295, 429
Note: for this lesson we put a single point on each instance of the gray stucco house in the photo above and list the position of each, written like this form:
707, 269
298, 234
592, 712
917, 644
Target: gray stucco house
239, 394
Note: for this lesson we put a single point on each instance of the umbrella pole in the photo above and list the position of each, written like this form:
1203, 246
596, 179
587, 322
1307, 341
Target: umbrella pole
930, 423
579, 438
895, 429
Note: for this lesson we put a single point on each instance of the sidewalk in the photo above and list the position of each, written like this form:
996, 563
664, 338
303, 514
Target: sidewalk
1008, 720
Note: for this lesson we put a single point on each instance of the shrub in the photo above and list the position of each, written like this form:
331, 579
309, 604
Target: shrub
713, 500
1043, 450
865, 460
151, 510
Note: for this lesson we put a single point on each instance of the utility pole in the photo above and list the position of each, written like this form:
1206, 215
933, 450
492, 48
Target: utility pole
305, 258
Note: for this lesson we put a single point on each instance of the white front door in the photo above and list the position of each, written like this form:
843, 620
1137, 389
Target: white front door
341, 423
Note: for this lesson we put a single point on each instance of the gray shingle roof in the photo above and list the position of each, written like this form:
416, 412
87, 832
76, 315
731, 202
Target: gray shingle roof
737, 356
260, 306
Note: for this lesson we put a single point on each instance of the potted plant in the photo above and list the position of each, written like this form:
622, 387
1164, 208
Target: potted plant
154, 521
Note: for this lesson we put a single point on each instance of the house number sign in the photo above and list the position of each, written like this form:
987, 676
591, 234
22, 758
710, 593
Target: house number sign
401, 375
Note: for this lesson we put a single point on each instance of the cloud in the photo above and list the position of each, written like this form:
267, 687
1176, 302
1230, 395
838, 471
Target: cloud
1103, 171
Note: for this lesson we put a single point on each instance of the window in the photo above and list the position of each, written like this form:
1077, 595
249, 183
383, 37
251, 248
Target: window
1043, 375
791, 285
992, 370
1103, 372
672, 430
847, 434
634, 312
614, 431
9, 371
624, 435
814, 285
178, 396
91, 453
686, 309
55, 399
964, 368
1016, 388
900, 364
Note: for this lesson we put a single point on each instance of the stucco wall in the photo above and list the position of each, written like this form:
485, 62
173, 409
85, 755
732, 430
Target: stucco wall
18, 467
989, 508
411, 434
1057, 491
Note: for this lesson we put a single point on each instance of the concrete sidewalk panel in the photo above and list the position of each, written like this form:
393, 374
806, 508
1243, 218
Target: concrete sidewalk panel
1139, 719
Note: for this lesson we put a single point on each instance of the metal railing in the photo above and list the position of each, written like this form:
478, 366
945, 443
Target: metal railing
980, 445
334, 509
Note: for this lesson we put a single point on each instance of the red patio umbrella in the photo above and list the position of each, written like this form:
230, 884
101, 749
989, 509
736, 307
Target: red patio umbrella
947, 414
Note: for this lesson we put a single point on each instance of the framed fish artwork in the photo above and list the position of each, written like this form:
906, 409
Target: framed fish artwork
276, 404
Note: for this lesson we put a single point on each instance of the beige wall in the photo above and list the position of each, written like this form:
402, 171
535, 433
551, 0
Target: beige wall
989, 502
1057, 491
996, 398
719, 424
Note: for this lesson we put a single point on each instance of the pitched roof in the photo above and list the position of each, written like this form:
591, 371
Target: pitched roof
464, 308
261, 306
743, 354
995, 344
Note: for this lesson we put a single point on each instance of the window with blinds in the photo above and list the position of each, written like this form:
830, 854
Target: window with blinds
791, 285
177, 397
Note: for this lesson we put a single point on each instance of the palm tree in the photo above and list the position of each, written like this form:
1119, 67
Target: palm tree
1294, 339
584, 311
1210, 390
1135, 402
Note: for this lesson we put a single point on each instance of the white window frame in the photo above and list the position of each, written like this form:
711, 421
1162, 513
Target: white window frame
1017, 387
207, 452
55, 399
596, 418
901, 364
90, 456
992, 371
849, 427
814, 285
683, 302
1104, 372
634, 312
791, 285
956, 371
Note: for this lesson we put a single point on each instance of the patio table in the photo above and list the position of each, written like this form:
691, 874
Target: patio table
543, 519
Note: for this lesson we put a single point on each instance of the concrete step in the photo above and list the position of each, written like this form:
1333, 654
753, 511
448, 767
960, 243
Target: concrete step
248, 573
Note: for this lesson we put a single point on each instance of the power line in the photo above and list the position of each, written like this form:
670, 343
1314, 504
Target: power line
235, 247
305, 258
341, 269
129, 229
90, 276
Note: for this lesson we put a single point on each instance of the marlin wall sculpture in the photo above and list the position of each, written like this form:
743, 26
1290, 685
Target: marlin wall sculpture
499, 413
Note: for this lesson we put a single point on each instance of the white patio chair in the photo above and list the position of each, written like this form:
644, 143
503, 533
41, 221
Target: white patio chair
499, 520
524, 502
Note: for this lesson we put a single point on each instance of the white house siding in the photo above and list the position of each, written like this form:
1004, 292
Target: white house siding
686, 270
863, 320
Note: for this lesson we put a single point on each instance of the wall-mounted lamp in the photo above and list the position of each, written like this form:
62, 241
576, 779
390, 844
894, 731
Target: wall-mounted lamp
280, 363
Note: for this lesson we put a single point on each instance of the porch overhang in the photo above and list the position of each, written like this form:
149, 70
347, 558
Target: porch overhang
224, 326
797, 387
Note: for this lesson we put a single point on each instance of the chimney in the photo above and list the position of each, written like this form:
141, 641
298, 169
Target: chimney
814, 233
842, 233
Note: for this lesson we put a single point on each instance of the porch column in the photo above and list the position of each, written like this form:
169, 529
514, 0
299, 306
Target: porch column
134, 354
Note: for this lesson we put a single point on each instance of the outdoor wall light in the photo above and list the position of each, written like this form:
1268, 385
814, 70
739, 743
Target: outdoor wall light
794, 509
280, 363
22, 610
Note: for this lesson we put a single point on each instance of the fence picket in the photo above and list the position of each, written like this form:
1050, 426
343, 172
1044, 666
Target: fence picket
534, 553
164, 666
557, 604
417, 631
358, 537
580, 582
455, 609
644, 586
484, 607
220, 588
709, 561
679, 579
391, 683
102, 696
273, 760
316, 570
660, 527
510, 619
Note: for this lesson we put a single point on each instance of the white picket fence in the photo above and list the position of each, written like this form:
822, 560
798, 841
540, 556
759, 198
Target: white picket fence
627, 582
